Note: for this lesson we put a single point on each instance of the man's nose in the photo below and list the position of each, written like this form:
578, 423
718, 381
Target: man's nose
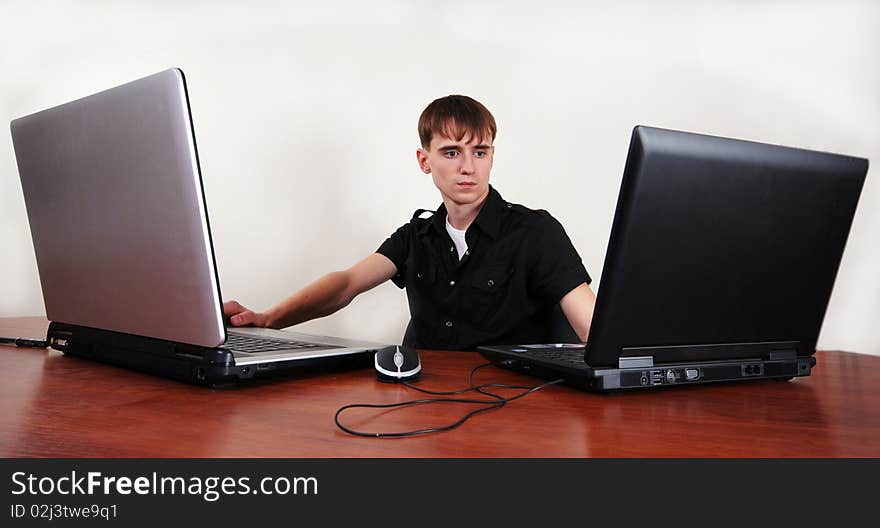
467, 164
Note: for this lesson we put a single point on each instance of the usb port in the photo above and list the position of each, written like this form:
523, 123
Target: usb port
691, 374
656, 378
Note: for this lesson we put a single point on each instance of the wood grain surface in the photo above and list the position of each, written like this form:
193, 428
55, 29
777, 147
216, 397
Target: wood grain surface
58, 406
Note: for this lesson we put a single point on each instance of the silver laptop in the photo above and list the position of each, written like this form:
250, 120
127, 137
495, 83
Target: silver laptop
119, 222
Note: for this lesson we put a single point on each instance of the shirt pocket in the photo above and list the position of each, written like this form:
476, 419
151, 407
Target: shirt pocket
489, 292
422, 304
424, 275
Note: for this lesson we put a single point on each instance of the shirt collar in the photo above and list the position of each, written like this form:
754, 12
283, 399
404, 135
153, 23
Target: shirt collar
488, 219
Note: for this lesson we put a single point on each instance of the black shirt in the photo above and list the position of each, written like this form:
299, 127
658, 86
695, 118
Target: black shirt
506, 288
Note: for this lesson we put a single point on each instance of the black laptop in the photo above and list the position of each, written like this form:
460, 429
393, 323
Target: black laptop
119, 220
719, 267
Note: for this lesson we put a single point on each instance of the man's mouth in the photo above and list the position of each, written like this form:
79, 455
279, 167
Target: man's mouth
466, 184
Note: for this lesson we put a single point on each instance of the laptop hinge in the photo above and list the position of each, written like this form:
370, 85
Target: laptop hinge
635, 362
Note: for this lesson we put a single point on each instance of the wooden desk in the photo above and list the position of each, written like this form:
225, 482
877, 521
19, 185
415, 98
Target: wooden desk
59, 406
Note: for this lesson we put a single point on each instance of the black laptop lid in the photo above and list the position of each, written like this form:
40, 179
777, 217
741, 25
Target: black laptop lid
721, 248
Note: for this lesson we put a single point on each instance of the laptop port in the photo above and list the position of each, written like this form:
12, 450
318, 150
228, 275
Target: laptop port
691, 374
656, 377
752, 370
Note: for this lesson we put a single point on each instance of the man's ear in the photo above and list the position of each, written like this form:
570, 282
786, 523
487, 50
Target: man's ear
422, 158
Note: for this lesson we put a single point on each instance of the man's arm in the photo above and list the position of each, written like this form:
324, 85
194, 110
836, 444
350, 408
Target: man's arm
323, 297
578, 305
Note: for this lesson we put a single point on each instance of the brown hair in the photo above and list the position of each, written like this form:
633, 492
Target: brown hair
456, 116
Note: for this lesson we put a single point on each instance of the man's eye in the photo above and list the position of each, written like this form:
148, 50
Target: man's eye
451, 153
481, 153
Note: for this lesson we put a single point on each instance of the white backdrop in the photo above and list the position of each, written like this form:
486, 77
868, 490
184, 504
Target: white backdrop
305, 117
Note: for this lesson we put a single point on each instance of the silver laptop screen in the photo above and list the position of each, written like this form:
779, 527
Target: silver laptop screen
116, 211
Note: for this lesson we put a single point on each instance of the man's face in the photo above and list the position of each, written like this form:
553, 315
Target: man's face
460, 169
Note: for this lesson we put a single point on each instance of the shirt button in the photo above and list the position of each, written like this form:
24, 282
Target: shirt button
448, 324
418, 275
491, 282
451, 249
452, 283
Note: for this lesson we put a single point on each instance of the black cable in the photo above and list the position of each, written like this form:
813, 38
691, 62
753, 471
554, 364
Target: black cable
470, 387
489, 405
24, 342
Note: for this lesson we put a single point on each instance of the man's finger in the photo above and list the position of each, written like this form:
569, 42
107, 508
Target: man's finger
244, 318
232, 308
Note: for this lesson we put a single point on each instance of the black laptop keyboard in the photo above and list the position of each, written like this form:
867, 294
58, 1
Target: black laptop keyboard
568, 357
251, 345
560, 356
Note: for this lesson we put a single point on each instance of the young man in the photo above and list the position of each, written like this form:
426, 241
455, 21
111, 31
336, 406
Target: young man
477, 271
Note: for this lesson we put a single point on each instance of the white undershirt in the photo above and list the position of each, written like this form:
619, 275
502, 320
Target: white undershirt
458, 238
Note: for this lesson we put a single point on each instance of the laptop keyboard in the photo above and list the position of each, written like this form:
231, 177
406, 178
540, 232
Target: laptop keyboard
567, 357
251, 345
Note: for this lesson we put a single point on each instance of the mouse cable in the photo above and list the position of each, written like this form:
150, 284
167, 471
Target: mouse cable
488, 405
470, 387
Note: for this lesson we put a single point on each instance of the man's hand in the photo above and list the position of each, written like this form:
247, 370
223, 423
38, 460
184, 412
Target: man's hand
240, 316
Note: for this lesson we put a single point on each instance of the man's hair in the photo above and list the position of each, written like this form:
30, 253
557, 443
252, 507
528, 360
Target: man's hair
456, 116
